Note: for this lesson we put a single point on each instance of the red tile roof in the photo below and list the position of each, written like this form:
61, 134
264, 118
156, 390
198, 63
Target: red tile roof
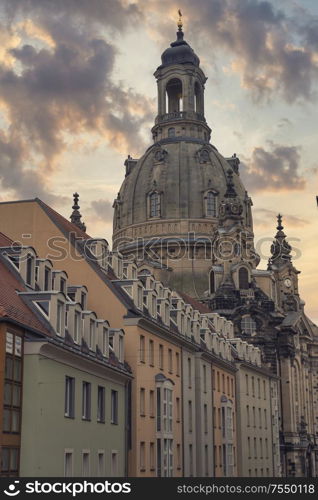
11, 304
62, 223
5, 241
202, 308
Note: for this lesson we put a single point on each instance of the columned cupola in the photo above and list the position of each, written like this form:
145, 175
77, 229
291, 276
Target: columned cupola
180, 83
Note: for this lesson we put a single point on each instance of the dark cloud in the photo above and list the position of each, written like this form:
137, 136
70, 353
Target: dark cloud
274, 170
103, 209
56, 90
267, 218
269, 48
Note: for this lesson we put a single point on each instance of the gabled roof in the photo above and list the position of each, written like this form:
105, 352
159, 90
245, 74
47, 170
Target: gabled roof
202, 308
12, 306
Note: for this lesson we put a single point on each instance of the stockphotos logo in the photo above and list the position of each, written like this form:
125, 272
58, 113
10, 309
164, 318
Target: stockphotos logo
72, 488
12, 489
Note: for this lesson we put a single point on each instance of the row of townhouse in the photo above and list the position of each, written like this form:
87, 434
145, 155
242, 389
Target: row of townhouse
180, 411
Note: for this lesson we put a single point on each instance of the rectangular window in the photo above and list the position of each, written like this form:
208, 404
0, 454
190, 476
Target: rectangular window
223, 421
190, 460
142, 456
259, 388
248, 415
101, 404
85, 464
254, 417
142, 402
47, 278
29, 269
265, 418
12, 384
152, 456
261, 447
178, 456
189, 373
68, 464
60, 318
228, 385
260, 418
161, 356
219, 417
206, 459
77, 327
170, 360
223, 383
266, 447
177, 364
232, 388
204, 378
158, 410
114, 464
218, 381
246, 384
215, 458
249, 447
178, 416
101, 463
190, 415
10, 460
253, 387
214, 417
213, 380
92, 334
255, 448
105, 341
86, 401
264, 389
63, 285
152, 403
151, 353
205, 418
114, 407
142, 349
69, 407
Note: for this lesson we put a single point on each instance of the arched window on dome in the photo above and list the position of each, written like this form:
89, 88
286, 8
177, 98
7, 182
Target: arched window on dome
154, 205
210, 200
243, 278
174, 95
212, 281
171, 132
248, 325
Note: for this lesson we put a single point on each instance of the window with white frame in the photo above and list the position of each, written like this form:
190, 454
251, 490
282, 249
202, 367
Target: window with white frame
86, 401
69, 406
92, 334
105, 341
210, 204
154, 204
68, 463
60, 318
77, 327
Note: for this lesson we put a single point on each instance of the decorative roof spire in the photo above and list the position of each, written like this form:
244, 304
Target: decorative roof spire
180, 23
280, 248
180, 33
76, 215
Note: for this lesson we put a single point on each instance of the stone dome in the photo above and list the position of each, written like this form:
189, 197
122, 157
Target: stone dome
181, 171
179, 52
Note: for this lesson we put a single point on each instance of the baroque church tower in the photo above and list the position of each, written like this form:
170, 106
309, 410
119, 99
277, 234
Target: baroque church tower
183, 215
170, 204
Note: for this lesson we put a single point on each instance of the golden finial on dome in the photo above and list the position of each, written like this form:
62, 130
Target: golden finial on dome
180, 23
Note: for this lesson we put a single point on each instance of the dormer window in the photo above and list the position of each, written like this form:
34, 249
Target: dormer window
83, 300
210, 204
29, 269
77, 327
60, 319
47, 278
63, 285
92, 334
154, 204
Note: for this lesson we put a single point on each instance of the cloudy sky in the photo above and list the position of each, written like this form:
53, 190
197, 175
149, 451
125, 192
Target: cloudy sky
77, 95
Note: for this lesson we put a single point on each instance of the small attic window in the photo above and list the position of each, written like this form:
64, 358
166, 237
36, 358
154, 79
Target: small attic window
44, 306
15, 260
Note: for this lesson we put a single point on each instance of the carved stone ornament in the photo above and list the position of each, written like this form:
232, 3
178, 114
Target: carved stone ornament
203, 155
160, 155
